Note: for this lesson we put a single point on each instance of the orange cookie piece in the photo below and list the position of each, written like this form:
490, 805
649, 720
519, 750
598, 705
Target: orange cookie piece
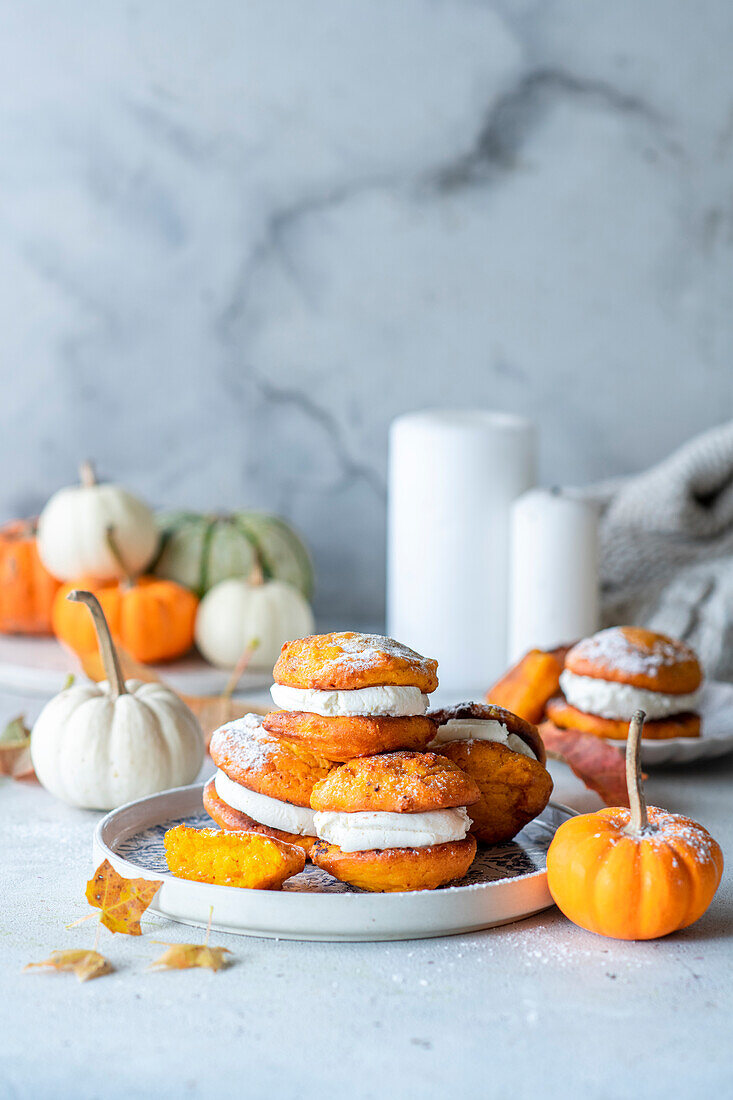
349, 660
659, 729
262, 762
641, 658
395, 782
514, 787
526, 687
249, 860
234, 821
392, 870
344, 737
489, 712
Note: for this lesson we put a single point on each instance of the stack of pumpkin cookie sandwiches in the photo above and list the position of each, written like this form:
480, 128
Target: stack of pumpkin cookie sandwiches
346, 769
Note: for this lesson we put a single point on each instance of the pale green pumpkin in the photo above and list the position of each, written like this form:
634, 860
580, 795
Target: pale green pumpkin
200, 550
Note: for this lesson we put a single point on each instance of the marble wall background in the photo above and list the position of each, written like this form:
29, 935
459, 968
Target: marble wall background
237, 238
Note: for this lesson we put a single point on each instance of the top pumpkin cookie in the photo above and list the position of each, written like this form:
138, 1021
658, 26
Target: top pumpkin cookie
638, 657
395, 782
349, 660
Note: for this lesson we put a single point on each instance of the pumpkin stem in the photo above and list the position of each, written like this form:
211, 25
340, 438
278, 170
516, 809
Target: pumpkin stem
87, 476
129, 580
257, 576
110, 660
639, 820
239, 669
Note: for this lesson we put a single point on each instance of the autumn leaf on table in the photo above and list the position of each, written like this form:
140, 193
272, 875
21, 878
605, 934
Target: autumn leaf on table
122, 900
185, 956
15, 756
599, 765
85, 964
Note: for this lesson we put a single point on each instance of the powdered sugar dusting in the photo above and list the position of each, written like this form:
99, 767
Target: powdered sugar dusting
681, 833
612, 647
360, 652
243, 744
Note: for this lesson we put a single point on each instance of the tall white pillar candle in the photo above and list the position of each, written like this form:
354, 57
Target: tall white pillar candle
554, 571
452, 479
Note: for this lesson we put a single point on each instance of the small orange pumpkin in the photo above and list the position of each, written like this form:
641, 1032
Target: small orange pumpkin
27, 589
150, 618
633, 874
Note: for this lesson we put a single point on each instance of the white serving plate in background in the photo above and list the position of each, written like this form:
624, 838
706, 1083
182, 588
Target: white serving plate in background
716, 738
505, 884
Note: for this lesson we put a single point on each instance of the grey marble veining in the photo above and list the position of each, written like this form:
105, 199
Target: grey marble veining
237, 241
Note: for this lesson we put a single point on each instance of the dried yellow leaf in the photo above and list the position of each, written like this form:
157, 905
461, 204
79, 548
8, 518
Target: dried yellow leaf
184, 956
85, 964
122, 900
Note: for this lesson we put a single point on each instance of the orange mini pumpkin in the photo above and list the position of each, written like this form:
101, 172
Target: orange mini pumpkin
150, 618
27, 589
633, 874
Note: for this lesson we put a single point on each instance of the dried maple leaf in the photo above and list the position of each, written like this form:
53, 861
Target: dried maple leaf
122, 900
599, 765
184, 956
85, 964
15, 755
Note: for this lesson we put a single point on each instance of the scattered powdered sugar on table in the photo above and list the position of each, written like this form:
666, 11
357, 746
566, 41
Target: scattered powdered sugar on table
613, 648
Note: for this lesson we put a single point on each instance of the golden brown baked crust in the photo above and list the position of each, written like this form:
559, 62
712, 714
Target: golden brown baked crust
344, 737
234, 821
392, 870
489, 712
658, 729
395, 782
348, 660
641, 658
250, 860
514, 788
262, 762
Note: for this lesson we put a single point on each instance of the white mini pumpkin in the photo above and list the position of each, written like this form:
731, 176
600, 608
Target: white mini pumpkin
98, 746
73, 532
236, 613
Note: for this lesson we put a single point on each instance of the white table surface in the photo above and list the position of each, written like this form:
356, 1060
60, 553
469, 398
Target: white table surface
538, 1009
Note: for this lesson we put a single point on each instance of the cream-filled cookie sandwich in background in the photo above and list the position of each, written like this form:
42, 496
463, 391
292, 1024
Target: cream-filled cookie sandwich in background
612, 674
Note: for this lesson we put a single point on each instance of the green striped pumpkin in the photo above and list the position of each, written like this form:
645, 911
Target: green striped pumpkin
200, 550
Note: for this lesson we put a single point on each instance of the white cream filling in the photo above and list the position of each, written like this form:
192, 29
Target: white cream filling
268, 811
481, 729
367, 831
385, 700
609, 699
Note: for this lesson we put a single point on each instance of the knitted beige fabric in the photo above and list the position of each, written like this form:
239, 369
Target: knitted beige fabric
667, 548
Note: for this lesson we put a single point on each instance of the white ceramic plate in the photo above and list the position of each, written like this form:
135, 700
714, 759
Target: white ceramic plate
505, 884
716, 738
39, 666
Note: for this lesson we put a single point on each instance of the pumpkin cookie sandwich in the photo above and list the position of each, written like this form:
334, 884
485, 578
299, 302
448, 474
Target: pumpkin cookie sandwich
505, 757
263, 784
347, 694
394, 822
618, 671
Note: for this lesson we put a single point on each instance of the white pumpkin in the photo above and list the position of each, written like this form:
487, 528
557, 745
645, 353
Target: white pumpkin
73, 532
236, 613
98, 746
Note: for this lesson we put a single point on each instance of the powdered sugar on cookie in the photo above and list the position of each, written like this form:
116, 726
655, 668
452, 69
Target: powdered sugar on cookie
244, 742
